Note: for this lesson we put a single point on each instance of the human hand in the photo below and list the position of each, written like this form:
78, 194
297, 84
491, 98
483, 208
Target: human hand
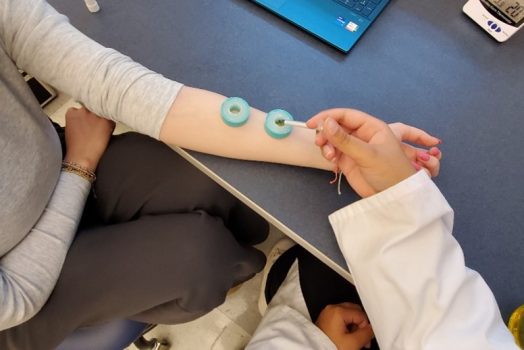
346, 325
427, 159
421, 158
87, 136
369, 152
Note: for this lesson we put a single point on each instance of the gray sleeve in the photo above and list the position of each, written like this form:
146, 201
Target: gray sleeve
28, 273
43, 42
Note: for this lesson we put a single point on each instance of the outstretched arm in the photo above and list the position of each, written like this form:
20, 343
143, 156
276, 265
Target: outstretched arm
194, 122
43, 42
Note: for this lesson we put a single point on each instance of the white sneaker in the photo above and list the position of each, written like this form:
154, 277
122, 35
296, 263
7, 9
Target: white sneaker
278, 249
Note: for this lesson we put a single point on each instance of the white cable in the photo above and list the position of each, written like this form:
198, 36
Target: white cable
301, 125
339, 182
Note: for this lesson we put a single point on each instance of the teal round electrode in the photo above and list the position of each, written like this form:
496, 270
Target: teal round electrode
234, 111
275, 126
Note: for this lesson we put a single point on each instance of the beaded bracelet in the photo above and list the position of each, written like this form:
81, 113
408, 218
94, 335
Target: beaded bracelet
78, 170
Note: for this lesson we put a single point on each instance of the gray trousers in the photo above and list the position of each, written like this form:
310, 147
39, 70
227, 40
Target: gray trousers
159, 242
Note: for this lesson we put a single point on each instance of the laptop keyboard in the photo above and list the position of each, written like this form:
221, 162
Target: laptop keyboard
363, 7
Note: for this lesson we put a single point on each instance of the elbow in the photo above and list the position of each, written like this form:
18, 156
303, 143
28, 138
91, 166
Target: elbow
17, 304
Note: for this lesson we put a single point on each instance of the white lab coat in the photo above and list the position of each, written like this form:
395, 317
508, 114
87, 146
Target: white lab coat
410, 274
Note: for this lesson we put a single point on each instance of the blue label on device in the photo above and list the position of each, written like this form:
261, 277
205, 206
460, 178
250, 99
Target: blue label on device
341, 21
494, 26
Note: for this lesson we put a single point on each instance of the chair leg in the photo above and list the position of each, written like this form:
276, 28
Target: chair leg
151, 344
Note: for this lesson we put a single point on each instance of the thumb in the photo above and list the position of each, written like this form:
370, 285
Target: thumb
359, 338
345, 142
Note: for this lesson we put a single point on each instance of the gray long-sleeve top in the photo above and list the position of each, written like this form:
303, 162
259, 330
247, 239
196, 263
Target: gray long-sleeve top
41, 206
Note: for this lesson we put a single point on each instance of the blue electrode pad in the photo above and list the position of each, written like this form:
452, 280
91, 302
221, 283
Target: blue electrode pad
235, 111
274, 124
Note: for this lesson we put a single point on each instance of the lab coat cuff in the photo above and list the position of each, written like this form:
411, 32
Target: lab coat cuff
417, 182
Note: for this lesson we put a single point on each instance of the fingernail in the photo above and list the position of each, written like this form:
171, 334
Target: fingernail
434, 151
416, 166
328, 151
422, 155
331, 126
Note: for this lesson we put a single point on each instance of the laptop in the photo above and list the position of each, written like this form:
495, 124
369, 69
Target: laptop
338, 22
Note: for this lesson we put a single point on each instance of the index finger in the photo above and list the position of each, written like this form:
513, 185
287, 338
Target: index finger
414, 135
361, 124
351, 119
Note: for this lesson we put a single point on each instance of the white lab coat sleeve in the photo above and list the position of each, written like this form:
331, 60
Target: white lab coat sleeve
411, 275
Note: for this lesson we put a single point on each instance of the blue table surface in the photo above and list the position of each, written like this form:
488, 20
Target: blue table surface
422, 62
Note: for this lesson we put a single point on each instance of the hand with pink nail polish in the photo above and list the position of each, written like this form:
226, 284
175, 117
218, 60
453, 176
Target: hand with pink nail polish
372, 154
419, 147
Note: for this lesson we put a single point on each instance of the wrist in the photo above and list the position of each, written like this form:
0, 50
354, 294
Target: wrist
78, 170
84, 163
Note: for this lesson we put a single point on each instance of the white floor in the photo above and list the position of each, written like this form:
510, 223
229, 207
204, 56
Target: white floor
229, 326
